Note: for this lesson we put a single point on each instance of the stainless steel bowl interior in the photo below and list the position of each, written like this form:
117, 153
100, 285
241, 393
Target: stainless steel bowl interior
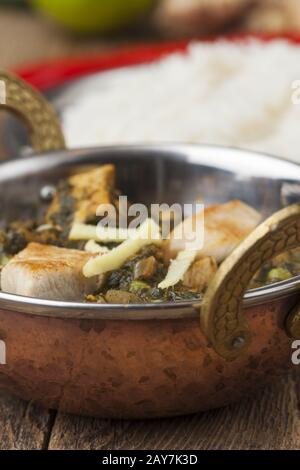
154, 174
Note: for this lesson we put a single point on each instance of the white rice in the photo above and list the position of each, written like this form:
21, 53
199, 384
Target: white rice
221, 93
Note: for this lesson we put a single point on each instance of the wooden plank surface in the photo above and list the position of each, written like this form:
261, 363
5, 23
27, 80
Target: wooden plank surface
23, 425
269, 421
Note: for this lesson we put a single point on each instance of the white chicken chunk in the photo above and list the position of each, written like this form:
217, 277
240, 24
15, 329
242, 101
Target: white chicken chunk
48, 272
200, 274
225, 226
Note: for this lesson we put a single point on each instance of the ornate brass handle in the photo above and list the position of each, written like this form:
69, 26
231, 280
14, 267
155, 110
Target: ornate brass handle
222, 318
38, 115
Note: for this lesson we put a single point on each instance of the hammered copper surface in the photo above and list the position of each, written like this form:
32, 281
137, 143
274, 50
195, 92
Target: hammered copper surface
137, 369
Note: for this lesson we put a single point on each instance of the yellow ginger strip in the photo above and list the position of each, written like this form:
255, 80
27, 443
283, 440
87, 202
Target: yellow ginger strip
178, 267
92, 247
99, 233
146, 234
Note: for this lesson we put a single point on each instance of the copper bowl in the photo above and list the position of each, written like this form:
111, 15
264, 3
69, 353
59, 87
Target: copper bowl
138, 361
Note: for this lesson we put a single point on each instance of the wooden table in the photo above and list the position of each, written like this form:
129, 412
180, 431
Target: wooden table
269, 421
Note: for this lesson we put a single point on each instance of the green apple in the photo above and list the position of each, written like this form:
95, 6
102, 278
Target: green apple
93, 15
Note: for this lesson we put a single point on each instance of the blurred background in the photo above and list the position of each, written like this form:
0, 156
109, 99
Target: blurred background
33, 30
237, 95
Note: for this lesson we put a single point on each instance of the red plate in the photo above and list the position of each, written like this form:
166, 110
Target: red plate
54, 73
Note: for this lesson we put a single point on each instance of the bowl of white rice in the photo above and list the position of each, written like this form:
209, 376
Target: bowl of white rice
243, 93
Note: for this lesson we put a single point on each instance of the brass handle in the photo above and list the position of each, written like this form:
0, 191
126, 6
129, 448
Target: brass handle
37, 114
222, 318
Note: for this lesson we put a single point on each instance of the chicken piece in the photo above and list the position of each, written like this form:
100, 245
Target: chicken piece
200, 274
78, 197
48, 272
92, 189
225, 226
